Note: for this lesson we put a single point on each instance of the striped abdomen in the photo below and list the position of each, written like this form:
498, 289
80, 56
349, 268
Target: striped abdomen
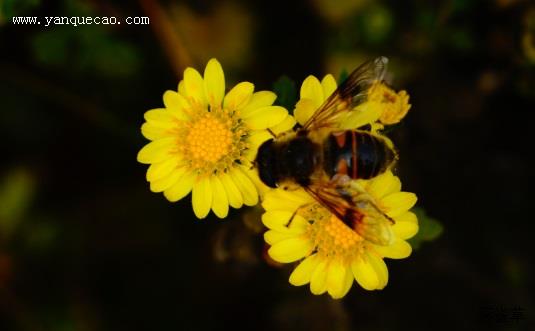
357, 154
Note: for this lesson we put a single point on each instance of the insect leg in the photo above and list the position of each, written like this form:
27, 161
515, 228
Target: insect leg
271, 133
297, 210
369, 199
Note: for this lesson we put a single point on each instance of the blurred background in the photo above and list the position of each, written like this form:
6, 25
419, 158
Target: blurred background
85, 245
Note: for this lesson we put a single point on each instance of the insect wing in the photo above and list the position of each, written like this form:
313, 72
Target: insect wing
332, 200
357, 211
351, 93
374, 226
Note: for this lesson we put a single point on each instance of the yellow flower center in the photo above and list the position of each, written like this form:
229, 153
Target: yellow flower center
340, 234
209, 139
212, 140
331, 236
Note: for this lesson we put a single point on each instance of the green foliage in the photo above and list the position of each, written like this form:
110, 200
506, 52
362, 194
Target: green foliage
84, 49
40, 234
50, 48
16, 192
377, 23
10, 8
286, 92
430, 228
459, 39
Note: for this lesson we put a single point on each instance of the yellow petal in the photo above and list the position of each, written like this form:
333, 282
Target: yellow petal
157, 151
265, 117
153, 131
239, 96
165, 119
318, 280
175, 102
252, 174
311, 89
233, 193
246, 187
383, 185
271, 237
214, 82
304, 110
303, 272
201, 197
298, 227
194, 86
161, 169
336, 275
406, 225
276, 219
282, 200
400, 249
181, 88
365, 273
348, 282
164, 183
380, 268
158, 115
273, 203
290, 250
361, 115
398, 203
257, 138
297, 195
328, 83
219, 198
287, 124
258, 100
181, 188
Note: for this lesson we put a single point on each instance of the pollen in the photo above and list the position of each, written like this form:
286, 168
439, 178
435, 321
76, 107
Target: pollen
209, 139
213, 141
333, 238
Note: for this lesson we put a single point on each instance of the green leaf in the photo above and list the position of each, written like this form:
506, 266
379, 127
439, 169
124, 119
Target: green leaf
430, 228
286, 92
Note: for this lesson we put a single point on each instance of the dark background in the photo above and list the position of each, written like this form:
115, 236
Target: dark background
85, 245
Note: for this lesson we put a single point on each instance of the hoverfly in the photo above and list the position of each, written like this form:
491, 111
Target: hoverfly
322, 158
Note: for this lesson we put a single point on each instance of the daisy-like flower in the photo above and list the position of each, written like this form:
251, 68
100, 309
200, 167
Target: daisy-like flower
204, 141
332, 255
394, 105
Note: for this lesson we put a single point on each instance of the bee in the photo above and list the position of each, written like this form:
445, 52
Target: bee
323, 159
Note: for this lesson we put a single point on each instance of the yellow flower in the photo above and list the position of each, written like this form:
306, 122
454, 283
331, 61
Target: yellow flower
395, 105
333, 255
383, 105
204, 141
